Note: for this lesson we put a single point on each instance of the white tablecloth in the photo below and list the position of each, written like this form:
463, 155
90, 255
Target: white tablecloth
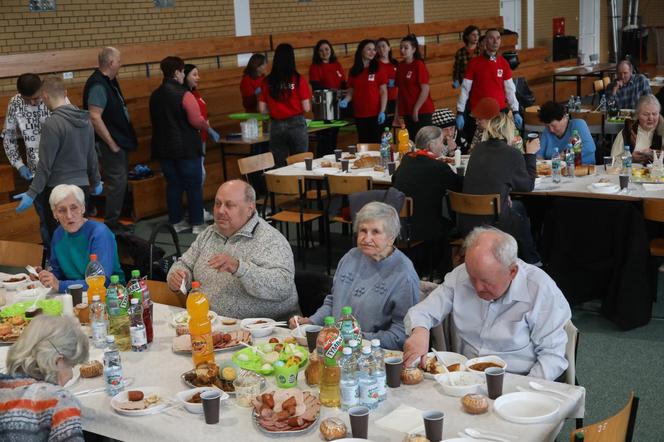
161, 367
300, 170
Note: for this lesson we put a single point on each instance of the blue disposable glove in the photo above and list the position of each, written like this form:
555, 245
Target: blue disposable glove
99, 188
455, 84
460, 121
381, 118
390, 82
258, 91
26, 201
25, 173
343, 104
518, 120
213, 134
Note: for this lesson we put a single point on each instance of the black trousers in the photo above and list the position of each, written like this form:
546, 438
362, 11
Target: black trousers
115, 166
413, 127
368, 129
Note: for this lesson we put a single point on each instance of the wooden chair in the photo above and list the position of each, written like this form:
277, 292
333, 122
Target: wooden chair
531, 122
653, 210
341, 186
20, 254
255, 163
299, 157
594, 120
606, 81
311, 194
617, 428
161, 293
291, 187
368, 147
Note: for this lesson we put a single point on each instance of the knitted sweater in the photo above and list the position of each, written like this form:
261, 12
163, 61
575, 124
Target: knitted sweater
31, 410
262, 286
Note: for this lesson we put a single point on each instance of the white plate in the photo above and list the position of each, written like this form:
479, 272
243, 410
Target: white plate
526, 407
326, 171
465, 383
607, 188
15, 285
448, 358
464, 439
182, 318
40, 290
76, 375
122, 397
182, 396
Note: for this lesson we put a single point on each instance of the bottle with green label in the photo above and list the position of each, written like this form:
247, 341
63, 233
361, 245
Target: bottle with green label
117, 303
348, 326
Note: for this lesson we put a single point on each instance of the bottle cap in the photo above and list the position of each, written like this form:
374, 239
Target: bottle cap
95, 298
375, 342
347, 310
195, 285
115, 279
134, 301
352, 343
348, 351
329, 320
93, 257
135, 273
110, 338
366, 350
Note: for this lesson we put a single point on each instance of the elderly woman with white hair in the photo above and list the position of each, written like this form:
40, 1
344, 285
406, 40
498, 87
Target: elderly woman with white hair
374, 278
34, 405
500, 306
75, 240
644, 134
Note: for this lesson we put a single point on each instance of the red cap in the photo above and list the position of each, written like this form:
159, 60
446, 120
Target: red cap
195, 285
486, 109
93, 257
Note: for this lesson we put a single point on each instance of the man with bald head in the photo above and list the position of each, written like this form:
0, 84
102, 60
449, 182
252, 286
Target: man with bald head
500, 306
628, 86
244, 265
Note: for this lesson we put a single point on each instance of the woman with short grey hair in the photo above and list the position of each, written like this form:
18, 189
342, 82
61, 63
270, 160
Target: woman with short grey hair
430, 138
39, 364
377, 280
644, 134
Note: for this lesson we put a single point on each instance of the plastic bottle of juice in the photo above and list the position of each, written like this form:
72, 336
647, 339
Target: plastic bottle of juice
118, 318
200, 327
329, 344
403, 140
148, 308
135, 288
96, 279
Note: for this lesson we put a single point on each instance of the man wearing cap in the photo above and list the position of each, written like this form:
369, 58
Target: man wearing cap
488, 75
452, 138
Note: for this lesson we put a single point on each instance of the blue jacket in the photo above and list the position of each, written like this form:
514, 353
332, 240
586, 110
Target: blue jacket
549, 141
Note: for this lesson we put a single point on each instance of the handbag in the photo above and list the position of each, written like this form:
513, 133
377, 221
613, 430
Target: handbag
161, 265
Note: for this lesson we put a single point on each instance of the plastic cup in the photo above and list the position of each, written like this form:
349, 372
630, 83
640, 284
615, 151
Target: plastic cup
393, 367
67, 305
309, 163
337, 154
82, 312
76, 292
461, 170
312, 335
608, 163
286, 377
344, 165
352, 149
211, 401
391, 167
624, 181
359, 422
433, 425
494, 381
532, 135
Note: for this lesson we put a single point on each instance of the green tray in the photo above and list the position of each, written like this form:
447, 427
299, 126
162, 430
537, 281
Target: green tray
315, 124
255, 361
247, 116
51, 307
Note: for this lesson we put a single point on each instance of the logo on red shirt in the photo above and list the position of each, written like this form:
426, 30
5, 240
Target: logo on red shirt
409, 74
371, 77
339, 74
500, 73
291, 86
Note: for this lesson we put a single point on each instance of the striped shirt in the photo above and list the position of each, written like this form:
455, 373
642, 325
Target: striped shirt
628, 95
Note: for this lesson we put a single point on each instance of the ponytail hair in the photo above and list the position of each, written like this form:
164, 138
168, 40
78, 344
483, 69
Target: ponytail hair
412, 39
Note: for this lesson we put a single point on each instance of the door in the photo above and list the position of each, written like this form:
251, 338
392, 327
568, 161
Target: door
589, 30
511, 12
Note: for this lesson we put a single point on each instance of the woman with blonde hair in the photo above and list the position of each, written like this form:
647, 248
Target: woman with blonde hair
497, 167
35, 406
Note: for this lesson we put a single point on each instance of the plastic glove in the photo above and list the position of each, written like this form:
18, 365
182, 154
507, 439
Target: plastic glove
213, 134
343, 104
258, 91
381, 118
25, 173
455, 84
26, 201
518, 120
390, 83
460, 121
99, 188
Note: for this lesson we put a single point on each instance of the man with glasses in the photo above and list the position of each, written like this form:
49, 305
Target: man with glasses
26, 113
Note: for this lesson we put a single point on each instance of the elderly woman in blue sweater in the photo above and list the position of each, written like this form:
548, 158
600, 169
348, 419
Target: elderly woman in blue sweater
374, 278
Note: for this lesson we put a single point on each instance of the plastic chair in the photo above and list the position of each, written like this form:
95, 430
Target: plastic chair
617, 428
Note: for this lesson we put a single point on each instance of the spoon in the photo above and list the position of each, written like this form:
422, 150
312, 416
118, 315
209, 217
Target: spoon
539, 387
31, 270
482, 435
297, 323
256, 350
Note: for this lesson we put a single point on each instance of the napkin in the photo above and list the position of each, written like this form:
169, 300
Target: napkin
653, 187
404, 418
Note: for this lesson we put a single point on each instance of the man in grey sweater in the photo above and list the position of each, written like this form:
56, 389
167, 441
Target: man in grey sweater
244, 265
66, 151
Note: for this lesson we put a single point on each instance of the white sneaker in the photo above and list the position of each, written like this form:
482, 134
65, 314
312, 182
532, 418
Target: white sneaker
207, 216
198, 229
181, 226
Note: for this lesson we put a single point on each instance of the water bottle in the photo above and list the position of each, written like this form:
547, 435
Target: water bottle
379, 374
355, 346
98, 322
385, 148
569, 161
135, 290
626, 162
139, 339
112, 367
570, 104
602, 104
349, 385
577, 104
555, 166
368, 386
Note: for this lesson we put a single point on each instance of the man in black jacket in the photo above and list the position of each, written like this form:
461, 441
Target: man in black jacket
114, 134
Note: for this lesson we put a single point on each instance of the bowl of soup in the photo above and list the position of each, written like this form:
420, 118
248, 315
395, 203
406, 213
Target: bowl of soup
478, 365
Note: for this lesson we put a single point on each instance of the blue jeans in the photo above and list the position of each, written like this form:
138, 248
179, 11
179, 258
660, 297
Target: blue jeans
183, 175
288, 137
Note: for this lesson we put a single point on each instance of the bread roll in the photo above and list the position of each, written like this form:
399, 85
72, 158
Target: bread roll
332, 428
91, 369
411, 376
475, 403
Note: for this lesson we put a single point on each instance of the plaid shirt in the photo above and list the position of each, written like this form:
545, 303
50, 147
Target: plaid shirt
628, 95
461, 59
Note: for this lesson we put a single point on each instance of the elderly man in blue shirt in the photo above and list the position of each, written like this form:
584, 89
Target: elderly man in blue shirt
500, 306
628, 86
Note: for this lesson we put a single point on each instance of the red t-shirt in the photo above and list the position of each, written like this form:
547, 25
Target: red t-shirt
488, 79
290, 102
390, 71
410, 77
366, 92
203, 107
329, 75
248, 87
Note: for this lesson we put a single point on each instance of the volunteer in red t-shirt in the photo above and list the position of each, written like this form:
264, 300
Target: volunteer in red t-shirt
326, 72
414, 103
389, 65
488, 75
286, 96
367, 89
252, 80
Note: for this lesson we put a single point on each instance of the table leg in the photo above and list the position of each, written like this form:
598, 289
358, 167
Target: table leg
578, 85
554, 88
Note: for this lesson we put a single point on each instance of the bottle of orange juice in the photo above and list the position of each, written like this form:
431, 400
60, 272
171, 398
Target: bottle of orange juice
403, 140
96, 279
200, 327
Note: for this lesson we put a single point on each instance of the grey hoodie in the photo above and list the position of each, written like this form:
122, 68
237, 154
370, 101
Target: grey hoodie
67, 152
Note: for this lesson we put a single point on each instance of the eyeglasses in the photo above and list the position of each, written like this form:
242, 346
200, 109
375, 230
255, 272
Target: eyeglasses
55, 348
